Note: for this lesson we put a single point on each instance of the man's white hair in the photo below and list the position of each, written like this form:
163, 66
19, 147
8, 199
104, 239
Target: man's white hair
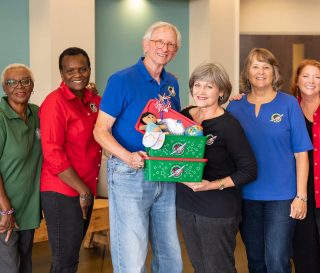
160, 24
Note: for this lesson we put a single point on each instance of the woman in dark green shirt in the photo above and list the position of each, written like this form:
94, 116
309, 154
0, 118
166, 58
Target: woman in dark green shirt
20, 164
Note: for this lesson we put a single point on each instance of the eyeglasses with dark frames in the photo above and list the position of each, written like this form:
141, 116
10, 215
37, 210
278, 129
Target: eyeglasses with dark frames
160, 44
14, 83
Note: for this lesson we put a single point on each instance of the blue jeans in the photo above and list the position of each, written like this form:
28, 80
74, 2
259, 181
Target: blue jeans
66, 229
267, 232
141, 211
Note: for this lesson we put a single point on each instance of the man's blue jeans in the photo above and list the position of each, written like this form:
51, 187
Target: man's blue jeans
141, 210
267, 232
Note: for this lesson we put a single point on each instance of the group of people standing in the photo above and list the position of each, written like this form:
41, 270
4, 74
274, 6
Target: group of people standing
47, 153
261, 175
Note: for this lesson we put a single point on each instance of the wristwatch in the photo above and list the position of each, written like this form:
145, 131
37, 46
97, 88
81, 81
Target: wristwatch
221, 185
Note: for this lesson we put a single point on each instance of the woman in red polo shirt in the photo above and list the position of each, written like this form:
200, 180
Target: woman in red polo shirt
71, 159
306, 87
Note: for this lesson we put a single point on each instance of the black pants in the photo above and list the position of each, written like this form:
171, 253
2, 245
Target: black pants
306, 243
66, 230
210, 242
16, 254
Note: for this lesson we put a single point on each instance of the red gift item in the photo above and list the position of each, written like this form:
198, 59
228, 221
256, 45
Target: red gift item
154, 107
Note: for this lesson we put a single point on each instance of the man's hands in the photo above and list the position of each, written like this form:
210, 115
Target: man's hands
136, 160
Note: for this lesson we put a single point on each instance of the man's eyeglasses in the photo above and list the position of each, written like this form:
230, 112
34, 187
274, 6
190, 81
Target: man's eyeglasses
15, 83
160, 44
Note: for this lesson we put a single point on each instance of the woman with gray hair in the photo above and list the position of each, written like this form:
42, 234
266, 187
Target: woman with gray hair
209, 212
20, 165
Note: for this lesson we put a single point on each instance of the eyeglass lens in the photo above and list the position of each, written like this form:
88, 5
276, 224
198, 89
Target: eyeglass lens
160, 44
15, 83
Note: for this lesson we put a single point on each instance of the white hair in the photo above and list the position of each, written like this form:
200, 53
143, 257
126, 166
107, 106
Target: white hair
15, 65
160, 24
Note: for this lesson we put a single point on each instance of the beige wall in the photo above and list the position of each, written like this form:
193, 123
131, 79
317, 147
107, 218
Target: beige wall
279, 17
214, 35
54, 26
215, 26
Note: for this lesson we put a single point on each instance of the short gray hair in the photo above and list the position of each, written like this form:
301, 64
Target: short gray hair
160, 24
15, 65
214, 73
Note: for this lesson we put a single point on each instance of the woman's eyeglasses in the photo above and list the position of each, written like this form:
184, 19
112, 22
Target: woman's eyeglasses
15, 83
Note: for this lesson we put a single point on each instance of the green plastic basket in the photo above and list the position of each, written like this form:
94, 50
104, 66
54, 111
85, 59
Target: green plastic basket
174, 169
180, 159
181, 147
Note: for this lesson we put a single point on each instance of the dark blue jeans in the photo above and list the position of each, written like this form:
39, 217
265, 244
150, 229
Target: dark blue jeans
267, 232
66, 229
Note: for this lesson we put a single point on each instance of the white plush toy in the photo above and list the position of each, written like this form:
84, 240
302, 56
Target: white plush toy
174, 127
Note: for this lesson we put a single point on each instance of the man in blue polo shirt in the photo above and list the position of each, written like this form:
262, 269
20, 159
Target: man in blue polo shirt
139, 210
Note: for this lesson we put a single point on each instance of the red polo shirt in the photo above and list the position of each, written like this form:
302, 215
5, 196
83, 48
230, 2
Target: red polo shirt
66, 126
316, 155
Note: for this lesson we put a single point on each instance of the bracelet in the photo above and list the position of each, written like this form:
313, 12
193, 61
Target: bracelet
7, 212
302, 198
85, 196
221, 185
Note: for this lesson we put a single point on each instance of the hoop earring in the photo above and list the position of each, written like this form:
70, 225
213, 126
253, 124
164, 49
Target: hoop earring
221, 98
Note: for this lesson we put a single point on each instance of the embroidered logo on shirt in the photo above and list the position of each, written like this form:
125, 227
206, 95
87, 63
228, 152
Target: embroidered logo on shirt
93, 107
38, 136
211, 139
276, 118
172, 92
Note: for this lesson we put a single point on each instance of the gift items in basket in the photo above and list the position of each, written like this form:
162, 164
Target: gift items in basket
174, 144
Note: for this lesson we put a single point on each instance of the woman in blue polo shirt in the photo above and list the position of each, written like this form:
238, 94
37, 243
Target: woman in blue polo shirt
275, 127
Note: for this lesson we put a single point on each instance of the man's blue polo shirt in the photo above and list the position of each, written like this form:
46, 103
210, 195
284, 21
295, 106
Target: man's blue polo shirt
275, 135
127, 93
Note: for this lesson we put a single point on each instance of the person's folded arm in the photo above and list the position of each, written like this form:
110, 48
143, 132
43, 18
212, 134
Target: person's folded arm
242, 154
53, 128
103, 135
240, 151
